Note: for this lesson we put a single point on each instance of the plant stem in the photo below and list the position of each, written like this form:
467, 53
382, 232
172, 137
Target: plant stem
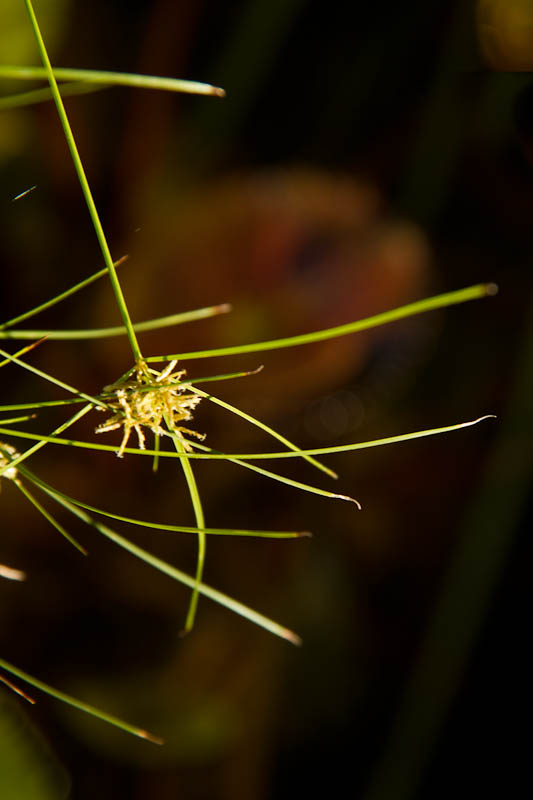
200, 522
409, 310
103, 79
93, 213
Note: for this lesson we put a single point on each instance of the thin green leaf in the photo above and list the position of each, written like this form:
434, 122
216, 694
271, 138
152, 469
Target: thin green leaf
305, 487
421, 306
216, 456
46, 514
58, 298
200, 522
184, 456
41, 441
12, 420
86, 190
72, 701
103, 333
50, 378
42, 404
39, 483
93, 76
267, 429
181, 577
10, 358
157, 448
35, 96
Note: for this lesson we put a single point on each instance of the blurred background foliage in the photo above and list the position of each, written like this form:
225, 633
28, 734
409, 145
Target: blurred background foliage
366, 155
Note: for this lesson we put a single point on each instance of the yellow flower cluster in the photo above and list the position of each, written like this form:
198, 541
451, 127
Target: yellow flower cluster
155, 400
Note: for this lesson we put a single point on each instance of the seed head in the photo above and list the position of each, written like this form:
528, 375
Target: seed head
155, 400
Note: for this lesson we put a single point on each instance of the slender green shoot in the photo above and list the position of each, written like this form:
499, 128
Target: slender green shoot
93, 213
47, 377
42, 404
41, 441
57, 299
13, 420
185, 456
162, 526
267, 429
421, 306
120, 330
157, 448
94, 77
182, 577
213, 455
52, 403
46, 514
200, 521
79, 704
9, 358
35, 96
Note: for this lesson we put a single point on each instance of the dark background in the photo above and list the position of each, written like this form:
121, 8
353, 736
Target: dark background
364, 157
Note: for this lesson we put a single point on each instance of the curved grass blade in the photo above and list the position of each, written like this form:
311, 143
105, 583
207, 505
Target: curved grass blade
305, 487
79, 704
103, 333
95, 401
267, 429
213, 455
41, 404
226, 376
59, 297
106, 79
343, 448
46, 514
39, 483
181, 577
41, 441
421, 306
200, 522
10, 358
12, 420
185, 456
35, 96
157, 448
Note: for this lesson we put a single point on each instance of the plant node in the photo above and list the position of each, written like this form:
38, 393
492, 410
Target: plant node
155, 400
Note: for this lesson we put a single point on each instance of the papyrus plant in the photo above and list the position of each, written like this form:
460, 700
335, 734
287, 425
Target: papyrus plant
150, 409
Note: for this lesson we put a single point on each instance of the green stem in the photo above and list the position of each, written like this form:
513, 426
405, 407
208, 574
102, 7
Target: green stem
58, 298
93, 213
104, 78
200, 522
182, 577
102, 333
42, 441
65, 698
42, 510
428, 304
94, 400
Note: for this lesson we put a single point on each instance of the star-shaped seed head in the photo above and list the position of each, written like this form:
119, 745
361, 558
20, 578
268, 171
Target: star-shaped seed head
156, 400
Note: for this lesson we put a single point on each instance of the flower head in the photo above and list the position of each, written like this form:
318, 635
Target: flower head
155, 400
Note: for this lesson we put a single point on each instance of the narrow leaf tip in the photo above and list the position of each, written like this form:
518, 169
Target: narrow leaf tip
350, 500
149, 736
